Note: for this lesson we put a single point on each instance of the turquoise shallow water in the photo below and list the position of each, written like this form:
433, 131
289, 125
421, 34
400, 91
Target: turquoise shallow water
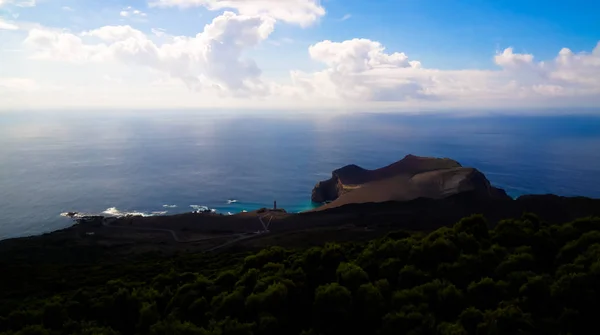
149, 162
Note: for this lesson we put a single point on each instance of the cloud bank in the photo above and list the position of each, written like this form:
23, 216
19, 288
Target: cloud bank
210, 60
215, 63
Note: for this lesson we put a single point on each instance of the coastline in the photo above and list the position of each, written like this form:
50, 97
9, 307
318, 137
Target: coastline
206, 231
404, 187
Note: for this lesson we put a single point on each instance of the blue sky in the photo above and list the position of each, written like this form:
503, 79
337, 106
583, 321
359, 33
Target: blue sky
444, 34
450, 36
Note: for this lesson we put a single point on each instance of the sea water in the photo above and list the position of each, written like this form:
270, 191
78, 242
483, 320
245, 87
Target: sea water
168, 162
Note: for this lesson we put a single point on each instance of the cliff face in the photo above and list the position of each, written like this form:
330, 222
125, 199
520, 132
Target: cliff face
327, 190
482, 186
410, 178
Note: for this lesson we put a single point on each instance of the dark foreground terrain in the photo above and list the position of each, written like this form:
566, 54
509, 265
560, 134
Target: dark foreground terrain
387, 268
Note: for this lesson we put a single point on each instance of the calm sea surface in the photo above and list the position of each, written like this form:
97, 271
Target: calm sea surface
157, 162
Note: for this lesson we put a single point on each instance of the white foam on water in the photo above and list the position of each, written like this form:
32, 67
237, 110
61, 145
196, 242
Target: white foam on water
113, 211
229, 213
199, 208
160, 213
231, 201
73, 215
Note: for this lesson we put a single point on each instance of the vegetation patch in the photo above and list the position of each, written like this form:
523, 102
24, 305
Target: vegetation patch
524, 276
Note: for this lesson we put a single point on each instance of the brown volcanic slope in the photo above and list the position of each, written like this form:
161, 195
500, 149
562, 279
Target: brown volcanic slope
409, 165
410, 178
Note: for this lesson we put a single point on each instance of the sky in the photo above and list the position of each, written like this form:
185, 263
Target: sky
299, 54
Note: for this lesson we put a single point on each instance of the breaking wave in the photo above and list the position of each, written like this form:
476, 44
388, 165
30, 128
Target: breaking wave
169, 206
159, 213
113, 211
74, 215
231, 201
202, 209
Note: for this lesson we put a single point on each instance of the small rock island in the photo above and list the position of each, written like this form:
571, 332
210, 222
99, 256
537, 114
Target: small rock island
407, 179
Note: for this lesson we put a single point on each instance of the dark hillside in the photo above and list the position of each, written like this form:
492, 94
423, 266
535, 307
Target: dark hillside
524, 276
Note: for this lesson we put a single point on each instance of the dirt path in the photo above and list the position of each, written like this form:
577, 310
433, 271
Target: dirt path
172, 232
247, 237
240, 236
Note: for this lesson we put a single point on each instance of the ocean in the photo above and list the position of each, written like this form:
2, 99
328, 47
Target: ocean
168, 162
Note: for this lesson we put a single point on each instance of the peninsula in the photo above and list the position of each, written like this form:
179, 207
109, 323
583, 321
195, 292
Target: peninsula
411, 178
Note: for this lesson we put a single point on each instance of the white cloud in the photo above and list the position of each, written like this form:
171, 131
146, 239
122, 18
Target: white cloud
213, 59
18, 3
111, 79
357, 55
282, 41
302, 12
358, 72
17, 84
131, 12
361, 70
58, 45
7, 25
158, 32
68, 9
508, 59
346, 17
115, 33
581, 69
213, 63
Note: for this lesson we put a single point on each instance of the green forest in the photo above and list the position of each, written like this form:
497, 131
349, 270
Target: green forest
521, 277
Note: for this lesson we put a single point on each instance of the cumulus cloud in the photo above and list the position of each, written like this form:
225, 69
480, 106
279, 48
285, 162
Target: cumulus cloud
581, 69
213, 59
569, 74
7, 25
301, 12
115, 33
58, 45
357, 55
354, 72
508, 59
362, 70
